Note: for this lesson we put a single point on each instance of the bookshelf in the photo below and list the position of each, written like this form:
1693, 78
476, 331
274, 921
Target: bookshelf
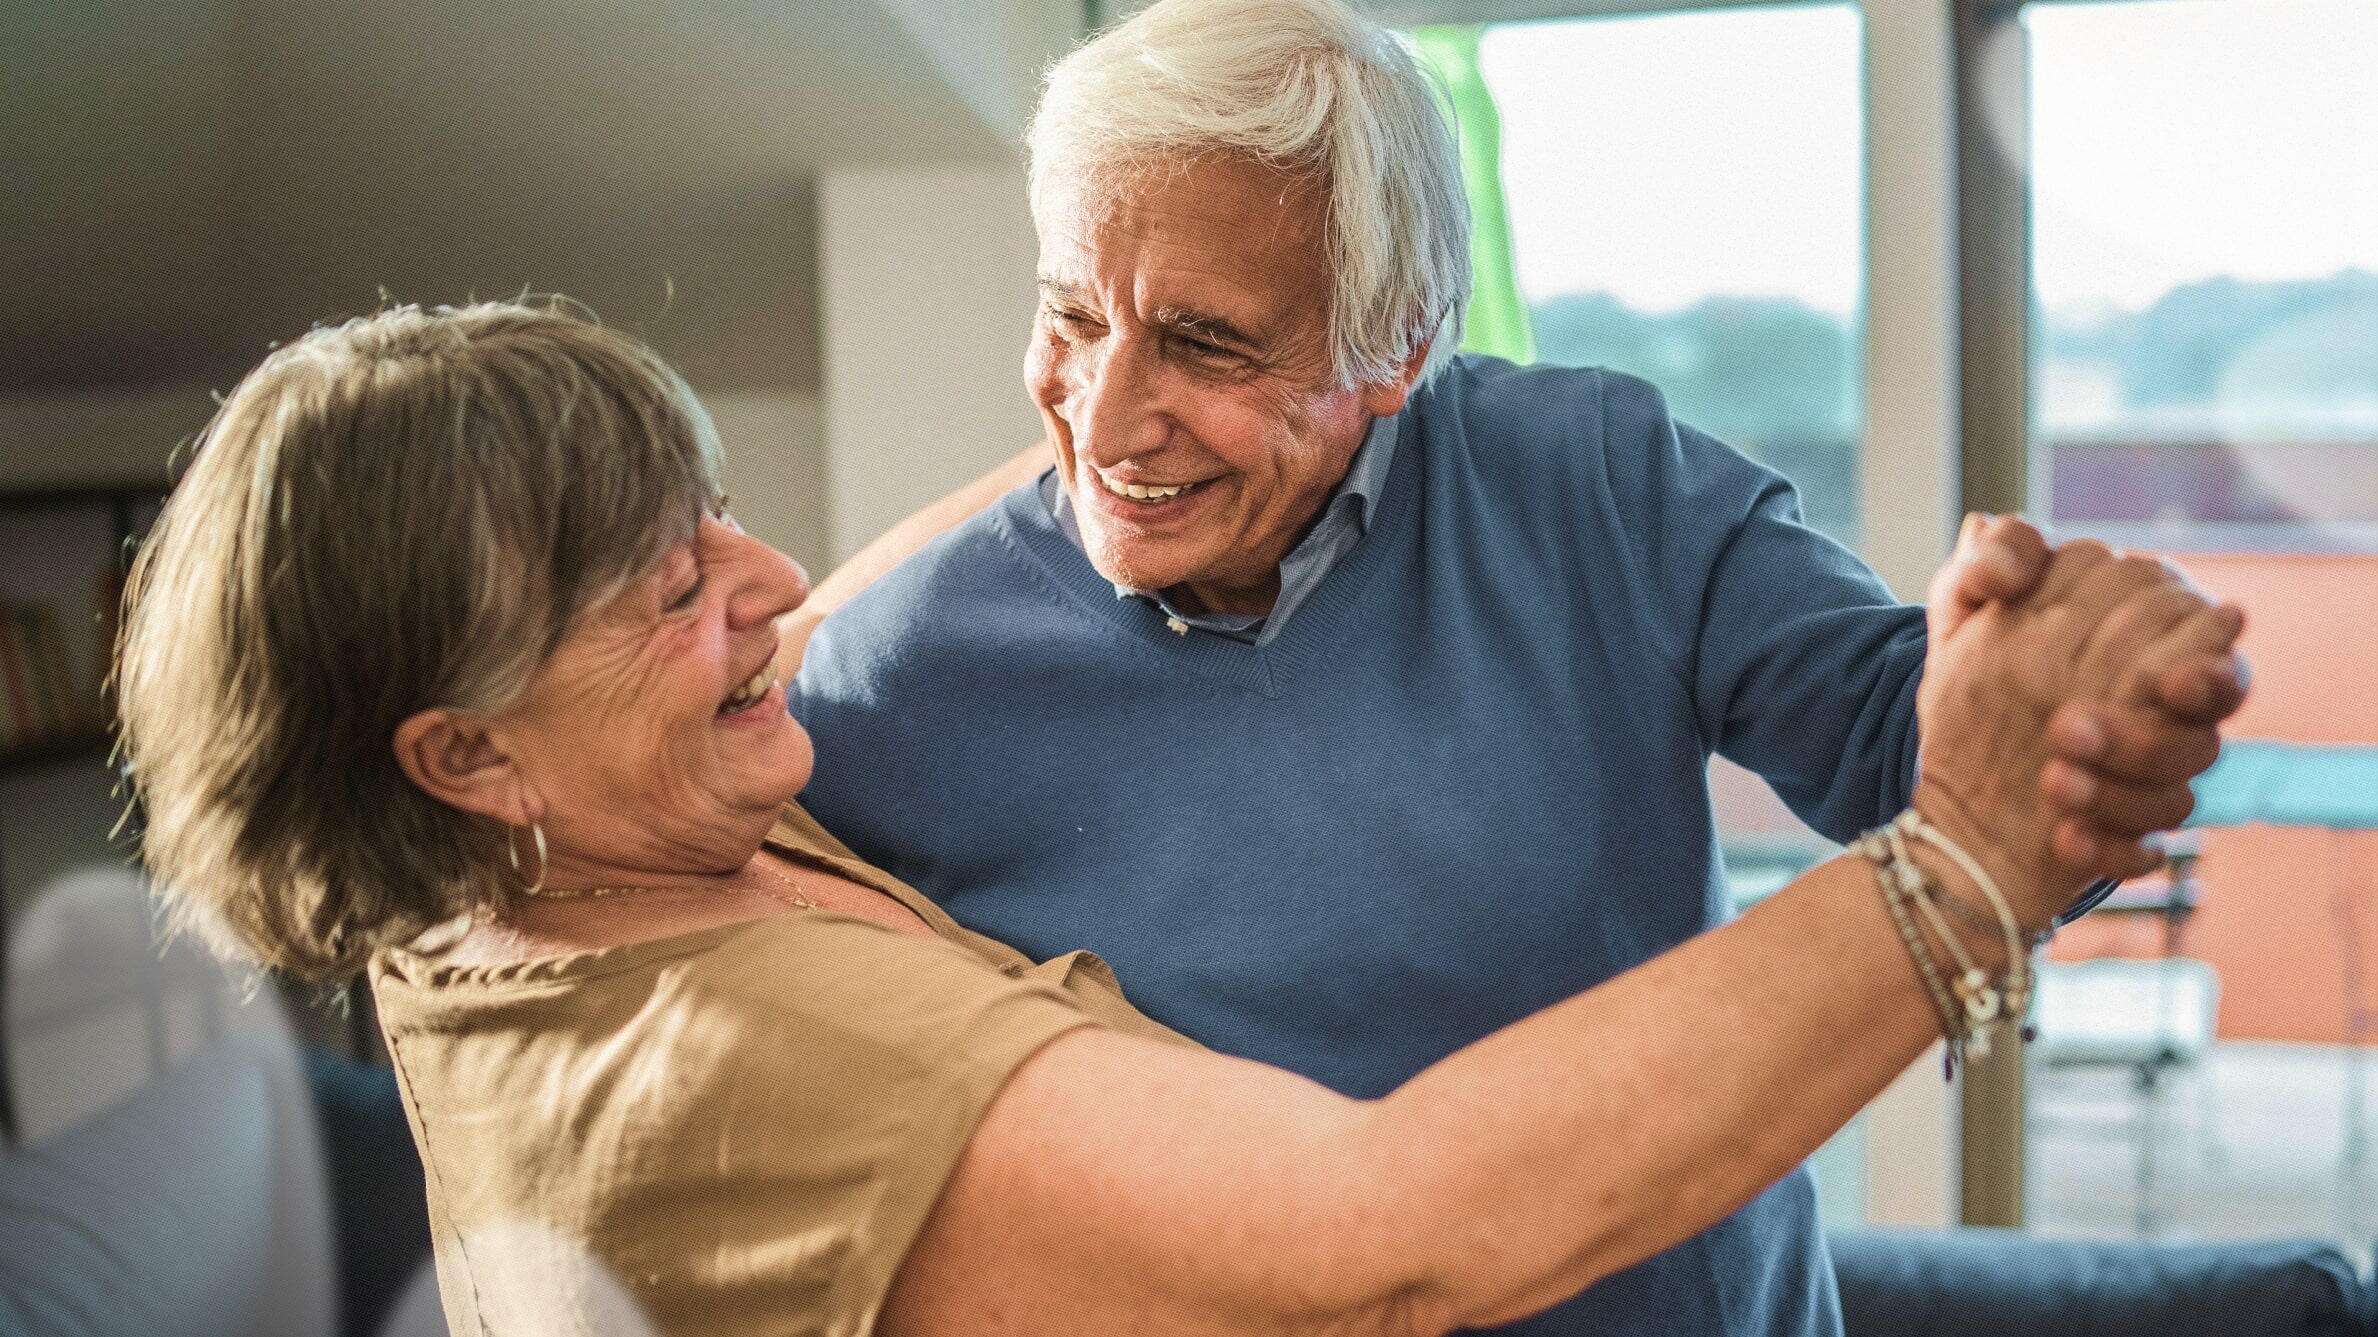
64, 550
61, 667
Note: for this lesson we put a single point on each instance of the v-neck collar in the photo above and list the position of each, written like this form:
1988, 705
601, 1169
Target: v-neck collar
1267, 669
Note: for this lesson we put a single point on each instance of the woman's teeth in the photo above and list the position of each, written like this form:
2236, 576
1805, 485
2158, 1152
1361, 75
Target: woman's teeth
1138, 493
751, 691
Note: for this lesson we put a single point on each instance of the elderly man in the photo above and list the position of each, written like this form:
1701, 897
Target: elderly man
1353, 698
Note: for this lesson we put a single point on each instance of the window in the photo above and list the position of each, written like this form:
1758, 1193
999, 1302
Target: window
2206, 219
1684, 194
2205, 382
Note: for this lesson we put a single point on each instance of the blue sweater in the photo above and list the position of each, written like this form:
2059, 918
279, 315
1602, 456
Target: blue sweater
1465, 781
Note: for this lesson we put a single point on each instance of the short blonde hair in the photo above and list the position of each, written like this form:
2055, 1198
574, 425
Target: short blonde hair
1307, 85
401, 512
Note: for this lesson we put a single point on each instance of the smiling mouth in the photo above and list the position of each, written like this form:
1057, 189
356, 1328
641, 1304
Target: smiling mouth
1145, 494
753, 688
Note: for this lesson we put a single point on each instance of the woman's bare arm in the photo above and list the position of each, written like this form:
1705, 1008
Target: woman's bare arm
1123, 1186
895, 546
1120, 1185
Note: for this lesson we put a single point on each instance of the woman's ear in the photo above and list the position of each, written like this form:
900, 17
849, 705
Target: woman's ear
455, 759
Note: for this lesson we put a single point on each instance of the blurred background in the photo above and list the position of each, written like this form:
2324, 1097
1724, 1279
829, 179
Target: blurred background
2113, 262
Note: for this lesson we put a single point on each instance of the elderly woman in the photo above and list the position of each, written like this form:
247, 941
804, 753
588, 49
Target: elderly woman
446, 659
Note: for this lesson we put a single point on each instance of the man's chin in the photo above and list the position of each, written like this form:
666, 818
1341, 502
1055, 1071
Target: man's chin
1136, 570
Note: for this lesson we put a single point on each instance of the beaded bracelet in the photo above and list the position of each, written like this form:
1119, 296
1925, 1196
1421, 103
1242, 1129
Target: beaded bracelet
1893, 876
1970, 1004
2032, 942
2015, 993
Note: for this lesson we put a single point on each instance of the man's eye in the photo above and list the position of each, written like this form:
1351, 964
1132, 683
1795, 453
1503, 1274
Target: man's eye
692, 596
1211, 352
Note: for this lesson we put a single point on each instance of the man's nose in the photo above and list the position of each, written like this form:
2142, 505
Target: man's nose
1117, 408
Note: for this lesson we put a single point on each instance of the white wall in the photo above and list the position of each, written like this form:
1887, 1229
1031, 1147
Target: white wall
775, 442
925, 282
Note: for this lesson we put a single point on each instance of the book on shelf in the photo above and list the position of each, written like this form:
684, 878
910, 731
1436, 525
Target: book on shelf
18, 723
45, 651
40, 699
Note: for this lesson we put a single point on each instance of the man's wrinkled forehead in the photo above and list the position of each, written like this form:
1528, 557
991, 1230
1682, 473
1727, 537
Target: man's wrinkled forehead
1198, 241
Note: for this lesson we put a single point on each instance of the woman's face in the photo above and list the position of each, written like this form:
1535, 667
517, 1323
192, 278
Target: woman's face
643, 745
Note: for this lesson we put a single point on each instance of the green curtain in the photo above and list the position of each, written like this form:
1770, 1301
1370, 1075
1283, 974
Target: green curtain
1497, 321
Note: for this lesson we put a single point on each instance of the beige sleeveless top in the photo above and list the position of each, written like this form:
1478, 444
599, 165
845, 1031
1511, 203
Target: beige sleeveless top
737, 1130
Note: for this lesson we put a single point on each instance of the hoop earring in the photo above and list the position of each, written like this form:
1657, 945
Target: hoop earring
512, 852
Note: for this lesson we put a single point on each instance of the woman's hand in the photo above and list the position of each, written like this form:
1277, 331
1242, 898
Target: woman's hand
2010, 685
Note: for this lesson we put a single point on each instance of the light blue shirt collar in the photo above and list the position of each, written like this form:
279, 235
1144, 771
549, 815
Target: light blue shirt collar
1343, 520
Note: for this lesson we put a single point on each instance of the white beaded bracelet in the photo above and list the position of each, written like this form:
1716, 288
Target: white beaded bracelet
2015, 1000
1970, 1003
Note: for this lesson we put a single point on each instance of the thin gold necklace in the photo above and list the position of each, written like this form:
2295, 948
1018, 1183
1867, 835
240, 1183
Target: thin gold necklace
791, 896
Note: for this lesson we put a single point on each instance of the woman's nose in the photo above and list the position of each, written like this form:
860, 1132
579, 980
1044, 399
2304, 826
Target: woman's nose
770, 585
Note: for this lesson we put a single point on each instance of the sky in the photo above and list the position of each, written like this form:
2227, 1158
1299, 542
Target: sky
1669, 157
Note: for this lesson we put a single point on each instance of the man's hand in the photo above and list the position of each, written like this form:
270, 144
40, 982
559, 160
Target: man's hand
2119, 767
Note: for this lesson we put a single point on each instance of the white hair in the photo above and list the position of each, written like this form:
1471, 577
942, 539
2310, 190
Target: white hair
1303, 84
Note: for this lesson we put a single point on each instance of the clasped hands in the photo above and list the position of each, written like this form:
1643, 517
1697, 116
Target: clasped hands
2069, 696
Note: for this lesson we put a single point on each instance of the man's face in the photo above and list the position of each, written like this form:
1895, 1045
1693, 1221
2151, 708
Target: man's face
1182, 351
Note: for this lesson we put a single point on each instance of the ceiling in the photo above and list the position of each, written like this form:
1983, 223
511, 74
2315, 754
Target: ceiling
190, 179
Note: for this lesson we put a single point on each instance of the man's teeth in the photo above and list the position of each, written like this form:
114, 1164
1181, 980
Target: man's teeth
1139, 493
752, 690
